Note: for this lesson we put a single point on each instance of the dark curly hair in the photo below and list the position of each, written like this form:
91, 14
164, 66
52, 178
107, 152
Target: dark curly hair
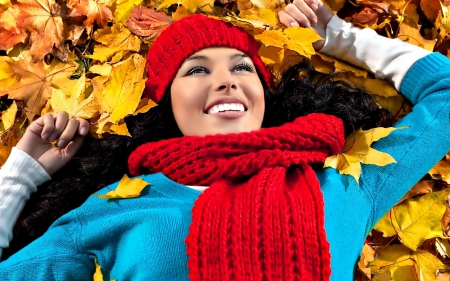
101, 162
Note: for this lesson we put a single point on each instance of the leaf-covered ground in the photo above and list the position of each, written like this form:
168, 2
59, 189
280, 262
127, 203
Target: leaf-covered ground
87, 57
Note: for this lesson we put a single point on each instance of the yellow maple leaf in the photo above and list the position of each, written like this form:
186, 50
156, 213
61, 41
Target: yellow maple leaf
127, 188
301, 40
357, 150
8, 117
71, 99
398, 263
123, 10
416, 219
115, 42
266, 16
120, 94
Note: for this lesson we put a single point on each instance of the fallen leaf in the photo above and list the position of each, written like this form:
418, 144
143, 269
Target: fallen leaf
301, 40
43, 19
412, 35
98, 276
93, 12
123, 10
367, 256
266, 16
404, 264
357, 150
416, 219
269, 4
34, 82
144, 105
420, 188
443, 247
445, 20
116, 41
8, 117
441, 171
180, 13
119, 96
430, 8
127, 188
7, 141
103, 69
72, 100
147, 22
445, 220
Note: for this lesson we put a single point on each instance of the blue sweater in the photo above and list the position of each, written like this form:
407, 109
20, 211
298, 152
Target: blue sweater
143, 238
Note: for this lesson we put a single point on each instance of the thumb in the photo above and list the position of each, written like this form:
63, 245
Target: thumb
73, 147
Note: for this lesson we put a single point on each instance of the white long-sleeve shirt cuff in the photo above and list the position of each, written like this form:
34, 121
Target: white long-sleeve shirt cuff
19, 177
388, 59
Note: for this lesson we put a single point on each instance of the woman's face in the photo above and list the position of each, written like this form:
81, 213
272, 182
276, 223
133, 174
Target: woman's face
217, 91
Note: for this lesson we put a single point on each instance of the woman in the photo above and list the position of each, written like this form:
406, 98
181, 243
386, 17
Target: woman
242, 201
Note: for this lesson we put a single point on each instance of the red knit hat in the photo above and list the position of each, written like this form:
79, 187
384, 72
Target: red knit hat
187, 36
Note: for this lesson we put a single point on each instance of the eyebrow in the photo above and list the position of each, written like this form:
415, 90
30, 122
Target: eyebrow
206, 58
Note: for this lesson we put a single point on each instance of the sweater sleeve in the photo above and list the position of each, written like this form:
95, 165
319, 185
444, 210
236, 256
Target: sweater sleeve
19, 177
53, 256
423, 78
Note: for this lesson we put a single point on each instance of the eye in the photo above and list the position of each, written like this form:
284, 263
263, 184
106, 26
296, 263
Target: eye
196, 70
243, 66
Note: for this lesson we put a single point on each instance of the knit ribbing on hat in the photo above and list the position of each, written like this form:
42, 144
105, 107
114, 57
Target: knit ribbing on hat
262, 217
187, 36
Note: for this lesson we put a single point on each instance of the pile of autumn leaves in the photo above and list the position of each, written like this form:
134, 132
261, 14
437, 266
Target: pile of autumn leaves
87, 57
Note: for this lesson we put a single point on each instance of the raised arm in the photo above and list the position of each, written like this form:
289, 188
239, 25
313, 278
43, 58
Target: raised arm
33, 161
423, 78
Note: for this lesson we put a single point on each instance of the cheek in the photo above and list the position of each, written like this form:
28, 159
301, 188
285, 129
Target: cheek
186, 104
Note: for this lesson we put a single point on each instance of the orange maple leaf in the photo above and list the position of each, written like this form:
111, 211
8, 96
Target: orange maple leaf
92, 12
34, 83
42, 19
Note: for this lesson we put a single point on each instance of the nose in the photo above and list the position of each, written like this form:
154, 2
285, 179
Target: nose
225, 82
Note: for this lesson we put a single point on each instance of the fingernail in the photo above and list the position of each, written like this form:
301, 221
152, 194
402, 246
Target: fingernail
314, 6
307, 24
45, 136
314, 21
83, 131
52, 137
61, 143
294, 23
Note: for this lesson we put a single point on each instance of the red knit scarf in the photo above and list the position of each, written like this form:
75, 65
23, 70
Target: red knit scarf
262, 217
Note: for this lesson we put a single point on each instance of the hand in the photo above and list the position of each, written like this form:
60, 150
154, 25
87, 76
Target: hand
69, 133
307, 13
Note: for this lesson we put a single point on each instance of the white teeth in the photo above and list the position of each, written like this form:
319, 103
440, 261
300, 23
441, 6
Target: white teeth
226, 107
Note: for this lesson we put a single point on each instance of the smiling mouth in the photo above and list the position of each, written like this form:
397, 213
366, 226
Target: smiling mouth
227, 110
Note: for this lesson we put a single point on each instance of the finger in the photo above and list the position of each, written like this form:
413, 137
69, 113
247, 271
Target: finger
297, 15
313, 4
83, 127
48, 122
68, 133
74, 146
286, 19
305, 9
60, 123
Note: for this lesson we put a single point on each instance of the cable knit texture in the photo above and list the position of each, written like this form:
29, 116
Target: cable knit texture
251, 223
187, 36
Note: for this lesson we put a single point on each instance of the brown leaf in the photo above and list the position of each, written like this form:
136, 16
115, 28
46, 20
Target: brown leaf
445, 221
367, 16
147, 22
92, 12
422, 187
